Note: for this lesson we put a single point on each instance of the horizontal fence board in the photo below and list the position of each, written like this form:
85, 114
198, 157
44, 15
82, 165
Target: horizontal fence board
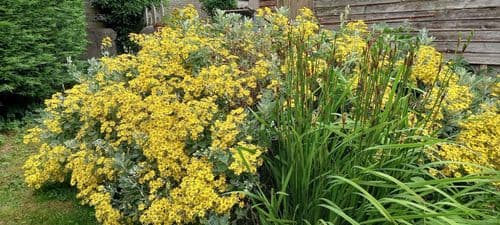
379, 5
411, 6
479, 36
458, 25
343, 3
473, 47
480, 59
447, 14
268, 3
356, 3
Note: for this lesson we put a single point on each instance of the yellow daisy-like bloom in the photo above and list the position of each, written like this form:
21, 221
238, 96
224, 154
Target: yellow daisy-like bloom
478, 143
106, 42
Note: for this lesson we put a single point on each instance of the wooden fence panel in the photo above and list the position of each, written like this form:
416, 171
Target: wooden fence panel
295, 5
268, 3
446, 21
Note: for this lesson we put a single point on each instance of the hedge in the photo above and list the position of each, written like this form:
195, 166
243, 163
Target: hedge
37, 36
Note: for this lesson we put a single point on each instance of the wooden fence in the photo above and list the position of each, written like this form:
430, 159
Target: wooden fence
446, 20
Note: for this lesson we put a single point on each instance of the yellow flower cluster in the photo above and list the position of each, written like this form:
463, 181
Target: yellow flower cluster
458, 98
47, 165
104, 211
133, 124
430, 70
428, 66
106, 42
191, 198
352, 41
307, 26
247, 158
478, 143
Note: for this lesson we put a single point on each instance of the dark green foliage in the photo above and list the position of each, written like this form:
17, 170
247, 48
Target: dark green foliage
211, 5
123, 16
36, 38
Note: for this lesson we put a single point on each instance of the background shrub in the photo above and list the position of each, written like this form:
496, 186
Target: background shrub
123, 16
211, 5
36, 38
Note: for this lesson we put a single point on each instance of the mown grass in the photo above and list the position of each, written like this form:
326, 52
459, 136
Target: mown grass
52, 205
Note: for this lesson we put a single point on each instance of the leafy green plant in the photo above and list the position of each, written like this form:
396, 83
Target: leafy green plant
210, 6
123, 16
347, 148
37, 37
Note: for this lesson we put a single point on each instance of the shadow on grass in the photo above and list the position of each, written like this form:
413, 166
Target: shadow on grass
60, 207
53, 204
56, 191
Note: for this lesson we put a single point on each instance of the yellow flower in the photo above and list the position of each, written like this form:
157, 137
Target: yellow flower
477, 143
106, 42
351, 43
246, 158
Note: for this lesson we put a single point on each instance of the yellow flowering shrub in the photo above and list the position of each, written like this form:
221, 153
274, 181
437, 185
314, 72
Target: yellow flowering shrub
430, 70
155, 137
474, 131
478, 143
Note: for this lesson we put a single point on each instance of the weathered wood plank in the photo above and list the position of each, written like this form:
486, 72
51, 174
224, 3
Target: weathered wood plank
436, 14
484, 36
344, 3
463, 27
268, 3
408, 4
475, 47
480, 59
483, 11
484, 23
412, 6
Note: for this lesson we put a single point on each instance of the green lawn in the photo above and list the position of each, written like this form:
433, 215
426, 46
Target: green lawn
53, 205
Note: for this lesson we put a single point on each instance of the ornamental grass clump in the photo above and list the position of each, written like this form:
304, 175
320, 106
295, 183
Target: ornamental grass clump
156, 137
352, 124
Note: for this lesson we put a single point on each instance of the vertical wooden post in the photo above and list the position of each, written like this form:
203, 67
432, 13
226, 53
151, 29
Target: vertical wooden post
155, 15
162, 9
295, 5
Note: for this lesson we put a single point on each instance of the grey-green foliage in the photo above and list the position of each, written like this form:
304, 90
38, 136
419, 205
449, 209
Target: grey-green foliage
36, 38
